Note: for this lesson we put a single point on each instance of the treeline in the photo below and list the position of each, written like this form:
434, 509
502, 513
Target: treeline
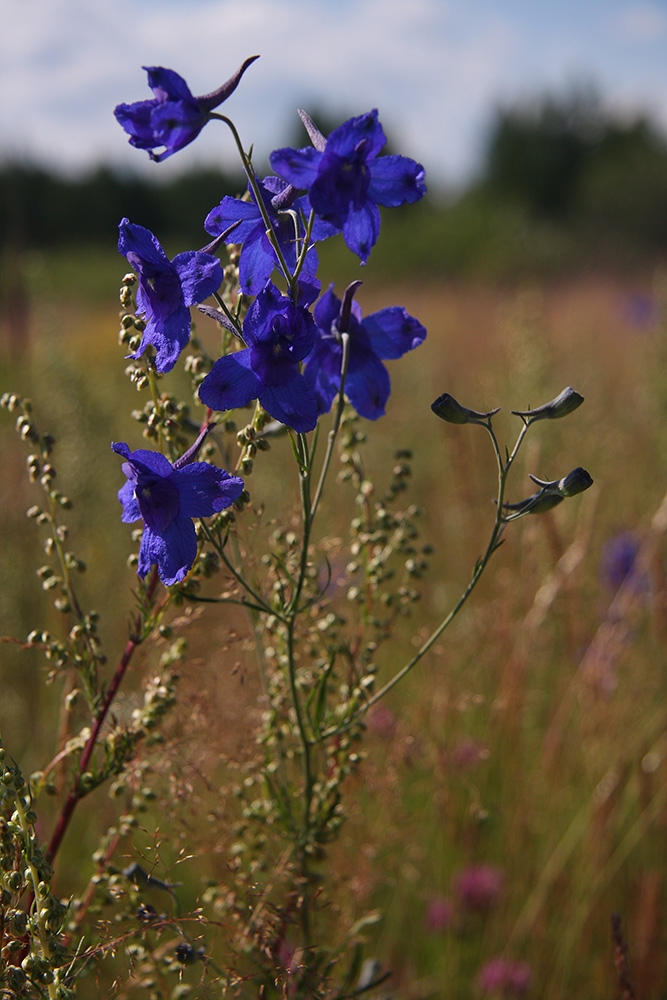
568, 161
41, 209
562, 183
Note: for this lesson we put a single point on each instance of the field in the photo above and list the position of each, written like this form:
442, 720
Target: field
514, 790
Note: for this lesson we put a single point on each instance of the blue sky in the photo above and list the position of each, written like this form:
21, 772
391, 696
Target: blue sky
434, 69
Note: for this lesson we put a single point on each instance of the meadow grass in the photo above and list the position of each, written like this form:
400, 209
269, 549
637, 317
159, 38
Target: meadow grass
532, 739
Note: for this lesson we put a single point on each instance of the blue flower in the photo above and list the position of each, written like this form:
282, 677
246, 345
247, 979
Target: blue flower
346, 181
386, 334
166, 290
173, 118
166, 497
258, 257
279, 335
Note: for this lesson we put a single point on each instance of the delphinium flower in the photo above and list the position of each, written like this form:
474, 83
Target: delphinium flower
386, 334
258, 256
166, 290
279, 335
346, 180
174, 117
166, 497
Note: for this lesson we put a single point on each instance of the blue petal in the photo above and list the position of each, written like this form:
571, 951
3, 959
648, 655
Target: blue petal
200, 275
257, 261
362, 229
136, 120
131, 510
230, 383
396, 180
173, 551
327, 310
168, 336
272, 361
297, 166
168, 85
322, 372
158, 502
366, 129
268, 304
143, 461
229, 211
341, 186
367, 385
393, 331
141, 242
204, 489
293, 404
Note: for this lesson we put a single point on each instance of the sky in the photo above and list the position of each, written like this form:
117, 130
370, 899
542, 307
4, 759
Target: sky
435, 69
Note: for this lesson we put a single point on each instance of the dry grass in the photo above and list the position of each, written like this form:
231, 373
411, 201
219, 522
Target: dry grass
533, 738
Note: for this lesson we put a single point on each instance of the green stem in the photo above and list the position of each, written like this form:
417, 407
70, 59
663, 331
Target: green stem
333, 433
42, 932
493, 543
252, 180
152, 381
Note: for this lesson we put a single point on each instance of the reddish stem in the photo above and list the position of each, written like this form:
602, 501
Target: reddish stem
74, 795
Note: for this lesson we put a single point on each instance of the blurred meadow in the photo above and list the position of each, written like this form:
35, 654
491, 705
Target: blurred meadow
514, 792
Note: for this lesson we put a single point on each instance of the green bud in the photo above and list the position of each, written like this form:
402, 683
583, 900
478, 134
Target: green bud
449, 409
564, 404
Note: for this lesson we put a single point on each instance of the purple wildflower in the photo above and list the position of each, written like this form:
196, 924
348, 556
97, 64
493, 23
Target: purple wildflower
279, 335
173, 118
500, 976
386, 334
166, 497
346, 180
166, 290
469, 753
439, 913
619, 556
479, 886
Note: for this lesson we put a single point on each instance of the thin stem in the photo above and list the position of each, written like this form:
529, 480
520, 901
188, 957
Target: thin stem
333, 433
480, 566
42, 932
258, 600
75, 793
152, 381
252, 180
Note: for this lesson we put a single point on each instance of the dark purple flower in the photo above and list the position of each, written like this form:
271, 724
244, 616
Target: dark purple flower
173, 118
386, 334
166, 497
479, 886
500, 976
166, 290
258, 257
346, 180
279, 335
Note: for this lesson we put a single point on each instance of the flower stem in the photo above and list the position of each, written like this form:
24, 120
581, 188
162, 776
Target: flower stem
75, 793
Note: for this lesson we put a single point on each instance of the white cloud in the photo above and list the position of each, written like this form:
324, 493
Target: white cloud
432, 67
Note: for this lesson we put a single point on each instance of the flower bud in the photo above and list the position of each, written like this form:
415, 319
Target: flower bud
447, 408
575, 482
567, 401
